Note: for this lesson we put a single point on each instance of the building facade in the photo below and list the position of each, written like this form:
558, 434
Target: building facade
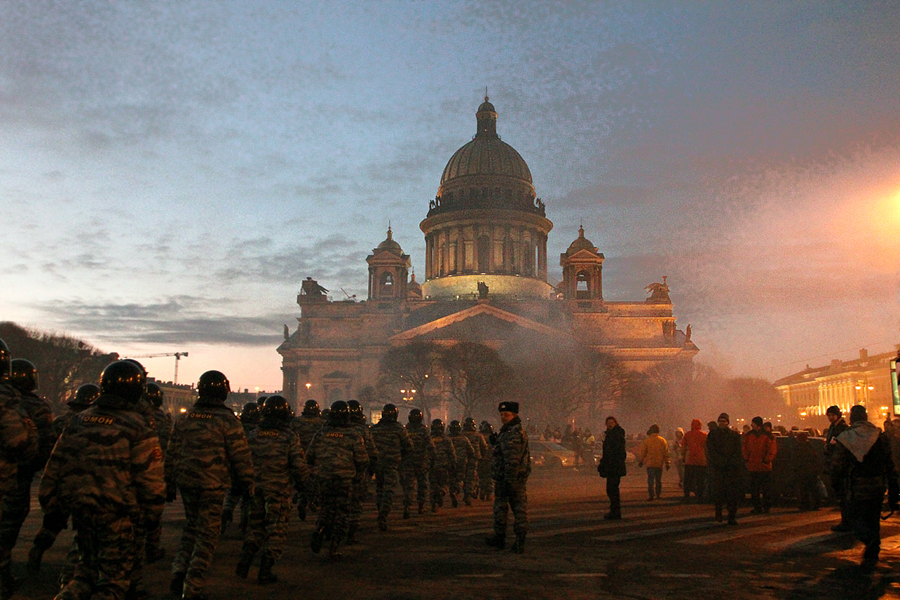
865, 380
486, 259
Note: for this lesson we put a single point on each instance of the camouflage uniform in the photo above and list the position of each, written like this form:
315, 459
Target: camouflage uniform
154, 526
510, 468
415, 465
18, 437
233, 497
443, 468
17, 503
338, 455
280, 466
306, 426
465, 460
362, 480
393, 443
206, 449
482, 486
107, 468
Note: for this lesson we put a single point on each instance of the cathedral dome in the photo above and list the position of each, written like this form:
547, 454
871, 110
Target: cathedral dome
486, 173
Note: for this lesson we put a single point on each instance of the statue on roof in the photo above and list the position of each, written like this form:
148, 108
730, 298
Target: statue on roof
311, 287
659, 293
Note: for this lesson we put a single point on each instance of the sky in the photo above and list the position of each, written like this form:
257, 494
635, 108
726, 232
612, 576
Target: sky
170, 171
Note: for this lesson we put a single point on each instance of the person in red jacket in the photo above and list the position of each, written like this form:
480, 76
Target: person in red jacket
693, 451
759, 453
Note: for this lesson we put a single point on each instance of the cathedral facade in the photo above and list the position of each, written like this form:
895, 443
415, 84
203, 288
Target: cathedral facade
485, 281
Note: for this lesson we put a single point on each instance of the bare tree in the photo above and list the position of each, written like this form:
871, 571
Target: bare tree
413, 366
63, 363
476, 374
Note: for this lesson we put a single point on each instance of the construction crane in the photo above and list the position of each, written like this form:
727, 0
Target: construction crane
177, 356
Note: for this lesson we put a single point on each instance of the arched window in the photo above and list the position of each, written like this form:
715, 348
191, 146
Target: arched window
582, 285
387, 284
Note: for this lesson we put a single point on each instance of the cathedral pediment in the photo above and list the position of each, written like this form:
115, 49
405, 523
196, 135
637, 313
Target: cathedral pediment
481, 323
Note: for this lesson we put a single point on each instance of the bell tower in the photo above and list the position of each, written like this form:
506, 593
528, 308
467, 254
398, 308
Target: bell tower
388, 271
582, 268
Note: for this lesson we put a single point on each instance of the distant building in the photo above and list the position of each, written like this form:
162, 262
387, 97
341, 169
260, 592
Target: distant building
176, 396
865, 380
485, 281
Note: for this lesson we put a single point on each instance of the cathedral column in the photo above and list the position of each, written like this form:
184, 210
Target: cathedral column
428, 249
542, 257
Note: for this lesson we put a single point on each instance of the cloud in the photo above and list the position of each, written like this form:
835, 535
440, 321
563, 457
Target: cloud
178, 320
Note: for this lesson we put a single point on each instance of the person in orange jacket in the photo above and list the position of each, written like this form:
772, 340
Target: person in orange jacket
759, 453
693, 452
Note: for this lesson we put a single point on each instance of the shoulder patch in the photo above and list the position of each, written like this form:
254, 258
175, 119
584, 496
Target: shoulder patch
198, 415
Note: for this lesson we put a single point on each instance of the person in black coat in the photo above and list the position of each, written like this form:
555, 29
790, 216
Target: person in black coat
612, 466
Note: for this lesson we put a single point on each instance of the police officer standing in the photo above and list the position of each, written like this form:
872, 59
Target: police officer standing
485, 482
18, 437
393, 444
306, 425
479, 446
107, 468
54, 523
837, 426
206, 450
163, 420
444, 465
339, 455
280, 466
415, 465
510, 468
465, 456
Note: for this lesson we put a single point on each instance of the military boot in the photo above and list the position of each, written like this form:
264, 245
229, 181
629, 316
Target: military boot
467, 500
421, 508
334, 552
243, 567
496, 541
453, 500
265, 570
406, 511
519, 544
382, 522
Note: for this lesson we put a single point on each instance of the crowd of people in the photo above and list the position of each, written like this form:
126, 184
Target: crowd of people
112, 462
862, 463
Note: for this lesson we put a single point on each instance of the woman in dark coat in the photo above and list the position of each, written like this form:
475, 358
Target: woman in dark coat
612, 466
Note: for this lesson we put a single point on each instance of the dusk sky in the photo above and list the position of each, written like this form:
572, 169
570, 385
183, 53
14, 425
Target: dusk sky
171, 171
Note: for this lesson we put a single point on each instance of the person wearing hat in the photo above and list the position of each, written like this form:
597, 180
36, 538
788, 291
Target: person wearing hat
510, 468
724, 454
862, 458
837, 426
759, 451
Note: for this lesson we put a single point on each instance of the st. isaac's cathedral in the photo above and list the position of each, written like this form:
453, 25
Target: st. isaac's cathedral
485, 281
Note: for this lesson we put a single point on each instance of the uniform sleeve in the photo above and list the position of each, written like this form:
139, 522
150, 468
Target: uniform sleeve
297, 466
470, 449
406, 444
48, 493
173, 454
147, 472
239, 457
360, 455
771, 451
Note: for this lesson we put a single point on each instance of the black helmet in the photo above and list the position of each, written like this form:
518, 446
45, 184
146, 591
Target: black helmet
85, 395
339, 414
356, 412
415, 416
261, 400
469, 424
23, 376
155, 394
311, 408
389, 413
123, 379
5, 360
250, 412
277, 409
455, 428
486, 428
437, 426
140, 366
213, 385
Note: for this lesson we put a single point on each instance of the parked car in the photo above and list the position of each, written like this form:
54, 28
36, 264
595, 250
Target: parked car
551, 455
